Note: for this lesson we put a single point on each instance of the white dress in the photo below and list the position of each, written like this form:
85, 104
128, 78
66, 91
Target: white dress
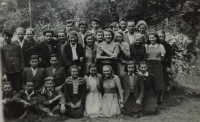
93, 98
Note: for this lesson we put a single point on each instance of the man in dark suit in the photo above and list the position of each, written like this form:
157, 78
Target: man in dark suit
73, 53
58, 73
45, 48
12, 60
129, 36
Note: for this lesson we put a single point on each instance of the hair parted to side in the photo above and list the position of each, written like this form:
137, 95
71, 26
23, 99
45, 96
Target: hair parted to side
71, 67
130, 63
34, 56
154, 33
142, 63
112, 74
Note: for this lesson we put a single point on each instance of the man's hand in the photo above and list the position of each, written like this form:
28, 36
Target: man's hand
78, 104
62, 108
138, 102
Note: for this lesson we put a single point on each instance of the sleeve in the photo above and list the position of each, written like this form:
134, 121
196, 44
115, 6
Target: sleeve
34, 49
119, 87
162, 50
126, 51
82, 98
99, 52
17, 97
116, 49
10, 100
65, 58
66, 92
62, 98
141, 84
4, 70
21, 57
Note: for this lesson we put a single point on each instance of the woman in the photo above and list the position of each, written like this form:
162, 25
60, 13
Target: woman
93, 96
108, 51
155, 54
90, 50
141, 27
124, 52
30, 35
113, 94
75, 90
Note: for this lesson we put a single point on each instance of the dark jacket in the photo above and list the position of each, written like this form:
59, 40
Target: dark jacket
23, 96
138, 53
168, 55
8, 96
138, 87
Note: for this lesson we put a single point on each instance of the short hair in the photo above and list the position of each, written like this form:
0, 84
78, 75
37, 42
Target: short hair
20, 29
6, 83
161, 31
141, 63
71, 67
130, 21
141, 22
130, 63
70, 21
83, 23
121, 33
156, 35
139, 35
111, 31
30, 81
7, 32
112, 25
53, 55
62, 31
86, 36
97, 20
48, 31
50, 78
31, 29
99, 31
122, 19
34, 56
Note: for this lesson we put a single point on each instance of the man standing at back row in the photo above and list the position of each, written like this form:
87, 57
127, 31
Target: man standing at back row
129, 36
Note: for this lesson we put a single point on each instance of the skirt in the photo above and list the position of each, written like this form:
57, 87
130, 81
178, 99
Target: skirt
155, 68
149, 103
131, 107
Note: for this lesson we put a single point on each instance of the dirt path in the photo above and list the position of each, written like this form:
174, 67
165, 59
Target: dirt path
187, 111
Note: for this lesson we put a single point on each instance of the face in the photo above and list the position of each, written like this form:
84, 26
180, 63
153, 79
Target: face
108, 36
34, 63
131, 27
29, 35
74, 72
161, 36
90, 41
131, 68
106, 72
143, 68
49, 84
116, 28
48, 37
93, 71
20, 35
7, 88
73, 39
99, 37
118, 37
29, 86
95, 25
62, 37
142, 29
69, 27
152, 39
7, 38
123, 25
83, 29
54, 61
138, 41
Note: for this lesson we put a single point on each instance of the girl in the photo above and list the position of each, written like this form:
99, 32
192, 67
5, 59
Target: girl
133, 87
141, 27
155, 54
107, 52
90, 50
113, 94
149, 102
99, 35
93, 96
124, 52
74, 90
30, 35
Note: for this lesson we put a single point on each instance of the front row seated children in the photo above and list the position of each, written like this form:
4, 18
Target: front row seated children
31, 100
54, 100
149, 102
9, 106
133, 87
34, 73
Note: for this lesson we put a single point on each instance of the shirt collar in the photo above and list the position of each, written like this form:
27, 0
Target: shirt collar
33, 69
21, 41
30, 93
73, 45
131, 74
145, 74
130, 34
155, 45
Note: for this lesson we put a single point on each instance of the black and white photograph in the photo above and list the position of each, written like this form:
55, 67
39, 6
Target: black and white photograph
100, 60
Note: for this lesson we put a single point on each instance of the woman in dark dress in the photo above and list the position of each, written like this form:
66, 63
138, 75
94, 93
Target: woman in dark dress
74, 91
149, 101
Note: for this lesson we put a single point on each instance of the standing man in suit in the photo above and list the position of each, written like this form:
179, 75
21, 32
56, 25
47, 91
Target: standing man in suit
73, 53
129, 36
12, 60
58, 73
34, 73
83, 26
45, 48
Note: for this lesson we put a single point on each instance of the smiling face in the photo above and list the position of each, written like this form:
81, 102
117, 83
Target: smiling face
7, 38
118, 37
95, 25
108, 36
54, 61
29, 35
62, 37
138, 40
143, 68
49, 84
152, 39
123, 25
99, 37
20, 35
90, 41
116, 27
74, 73
73, 39
69, 27
7, 88
131, 27
93, 71
83, 29
48, 37
142, 29
106, 72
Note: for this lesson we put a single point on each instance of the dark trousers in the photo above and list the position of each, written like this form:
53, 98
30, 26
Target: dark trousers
16, 80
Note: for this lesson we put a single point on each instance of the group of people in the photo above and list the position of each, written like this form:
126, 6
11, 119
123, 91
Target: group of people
95, 73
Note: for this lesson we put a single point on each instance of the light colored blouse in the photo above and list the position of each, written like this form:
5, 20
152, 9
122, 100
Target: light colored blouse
75, 85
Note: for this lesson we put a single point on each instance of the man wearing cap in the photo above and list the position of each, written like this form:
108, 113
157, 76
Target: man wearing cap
12, 60
95, 25
45, 48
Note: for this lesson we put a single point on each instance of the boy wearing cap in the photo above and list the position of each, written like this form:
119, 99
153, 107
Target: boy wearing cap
45, 48
58, 73
34, 73
12, 60
54, 100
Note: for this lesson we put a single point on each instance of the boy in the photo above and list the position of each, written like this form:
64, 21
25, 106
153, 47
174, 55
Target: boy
12, 60
54, 100
95, 25
58, 73
83, 26
34, 73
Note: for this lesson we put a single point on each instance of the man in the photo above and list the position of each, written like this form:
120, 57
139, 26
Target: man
12, 60
123, 26
83, 26
69, 25
73, 53
95, 25
45, 48
129, 36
